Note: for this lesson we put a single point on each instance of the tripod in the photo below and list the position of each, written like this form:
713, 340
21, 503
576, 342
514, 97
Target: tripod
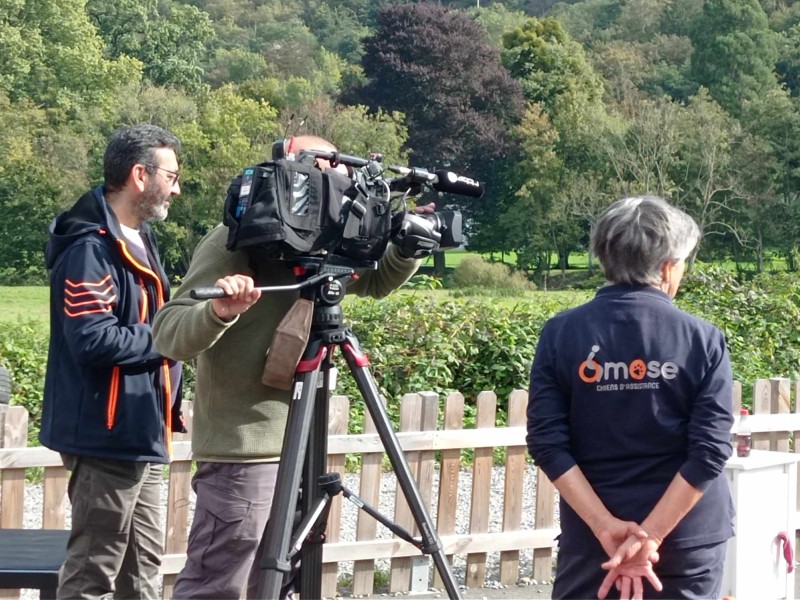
305, 449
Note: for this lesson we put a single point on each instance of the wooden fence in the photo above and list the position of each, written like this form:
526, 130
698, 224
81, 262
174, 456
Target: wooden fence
421, 441
775, 422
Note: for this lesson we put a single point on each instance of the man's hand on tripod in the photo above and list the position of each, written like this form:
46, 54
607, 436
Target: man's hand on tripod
240, 295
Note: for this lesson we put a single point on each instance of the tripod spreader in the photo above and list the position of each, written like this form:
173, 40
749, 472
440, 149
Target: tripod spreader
332, 484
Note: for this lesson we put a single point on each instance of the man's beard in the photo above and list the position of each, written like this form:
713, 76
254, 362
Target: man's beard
154, 204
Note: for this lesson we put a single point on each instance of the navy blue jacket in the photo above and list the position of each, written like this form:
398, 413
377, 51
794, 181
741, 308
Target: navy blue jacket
634, 391
108, 393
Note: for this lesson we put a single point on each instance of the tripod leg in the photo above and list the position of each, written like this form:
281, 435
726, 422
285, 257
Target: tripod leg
358, 363
310, 576
274, 560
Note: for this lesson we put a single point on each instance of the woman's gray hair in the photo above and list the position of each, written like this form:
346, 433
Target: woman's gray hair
634, 237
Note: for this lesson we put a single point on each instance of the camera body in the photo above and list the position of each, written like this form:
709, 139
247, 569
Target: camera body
289, 208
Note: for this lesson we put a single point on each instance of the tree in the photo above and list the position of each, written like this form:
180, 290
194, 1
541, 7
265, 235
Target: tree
497, 20
42, 170
773, 122
734, 52
587, 20
706, 181
551, 67
339, 29
220, 135
357, 131
438, 68
559, 155
51, 53
168, 37
788, 66
643, 152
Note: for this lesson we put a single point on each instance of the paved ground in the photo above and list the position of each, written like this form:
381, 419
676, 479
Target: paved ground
514, 592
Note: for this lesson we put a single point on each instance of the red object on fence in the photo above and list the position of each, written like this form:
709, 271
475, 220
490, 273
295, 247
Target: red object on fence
788, 553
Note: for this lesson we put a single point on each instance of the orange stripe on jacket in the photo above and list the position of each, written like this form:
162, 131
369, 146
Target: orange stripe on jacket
88, 283
94, 302
86, 312
105, 292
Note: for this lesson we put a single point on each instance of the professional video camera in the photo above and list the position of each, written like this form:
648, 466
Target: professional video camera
288, 208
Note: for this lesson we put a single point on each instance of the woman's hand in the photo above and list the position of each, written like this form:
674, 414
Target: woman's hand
629, 565
614, 533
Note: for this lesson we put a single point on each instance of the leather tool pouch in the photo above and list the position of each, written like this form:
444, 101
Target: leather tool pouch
287, 346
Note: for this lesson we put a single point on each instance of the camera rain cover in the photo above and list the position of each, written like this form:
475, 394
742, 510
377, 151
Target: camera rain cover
285, 206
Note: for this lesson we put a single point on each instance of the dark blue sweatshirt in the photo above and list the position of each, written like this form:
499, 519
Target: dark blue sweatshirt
634, 390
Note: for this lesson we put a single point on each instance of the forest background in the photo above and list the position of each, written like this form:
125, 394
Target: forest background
560, 108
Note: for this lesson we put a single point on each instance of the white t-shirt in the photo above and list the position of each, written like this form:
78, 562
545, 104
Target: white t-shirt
132, 235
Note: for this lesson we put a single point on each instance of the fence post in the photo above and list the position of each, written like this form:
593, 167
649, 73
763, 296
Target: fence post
14, 421
514, 488
449, 472
544, 518
338, 418
796, 438
779, 404
481, 489
761, 405
420, 565
410, 420
367, 528
737, 397
179, 487
54, 507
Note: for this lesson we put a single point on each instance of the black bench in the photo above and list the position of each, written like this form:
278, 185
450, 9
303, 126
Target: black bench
31, 558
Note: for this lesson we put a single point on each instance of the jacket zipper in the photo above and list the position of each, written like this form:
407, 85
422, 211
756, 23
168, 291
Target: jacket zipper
166, 387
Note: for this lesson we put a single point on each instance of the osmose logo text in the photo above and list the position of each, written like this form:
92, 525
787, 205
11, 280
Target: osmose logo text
639, 373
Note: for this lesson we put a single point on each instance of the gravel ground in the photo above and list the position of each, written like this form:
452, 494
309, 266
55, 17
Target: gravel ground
33, 519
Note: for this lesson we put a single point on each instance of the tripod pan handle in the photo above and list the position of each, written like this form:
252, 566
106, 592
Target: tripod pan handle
206, 293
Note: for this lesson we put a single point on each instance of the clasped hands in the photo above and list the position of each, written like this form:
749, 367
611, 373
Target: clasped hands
632, 554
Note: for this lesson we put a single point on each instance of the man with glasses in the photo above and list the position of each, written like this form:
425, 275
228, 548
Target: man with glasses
111, 401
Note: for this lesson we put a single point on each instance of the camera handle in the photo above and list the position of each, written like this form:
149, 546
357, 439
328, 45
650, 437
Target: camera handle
333, 273
304, 452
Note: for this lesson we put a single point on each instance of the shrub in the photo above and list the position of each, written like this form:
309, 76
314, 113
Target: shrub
480, 277
23, 351
469, 345
758, 317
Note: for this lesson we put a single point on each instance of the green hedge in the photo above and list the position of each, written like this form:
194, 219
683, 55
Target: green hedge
418, 343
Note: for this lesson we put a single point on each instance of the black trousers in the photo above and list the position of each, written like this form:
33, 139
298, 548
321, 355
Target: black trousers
686, 573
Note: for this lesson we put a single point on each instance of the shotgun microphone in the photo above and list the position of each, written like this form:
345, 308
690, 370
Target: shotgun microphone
452, 183
441, 181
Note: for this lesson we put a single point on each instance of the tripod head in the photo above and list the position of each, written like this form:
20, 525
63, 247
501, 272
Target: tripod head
310, 271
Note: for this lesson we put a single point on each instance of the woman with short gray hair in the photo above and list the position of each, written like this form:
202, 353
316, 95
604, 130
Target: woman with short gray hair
629, 414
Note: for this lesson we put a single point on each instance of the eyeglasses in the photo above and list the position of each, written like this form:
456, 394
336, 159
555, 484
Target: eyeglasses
172, 179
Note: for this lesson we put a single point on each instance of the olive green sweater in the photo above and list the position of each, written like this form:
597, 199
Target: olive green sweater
236, 417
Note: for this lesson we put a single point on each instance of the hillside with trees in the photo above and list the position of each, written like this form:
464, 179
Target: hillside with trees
559, 107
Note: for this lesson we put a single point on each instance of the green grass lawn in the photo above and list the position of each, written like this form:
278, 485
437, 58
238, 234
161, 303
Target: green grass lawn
565, 297
32, 303
24, 303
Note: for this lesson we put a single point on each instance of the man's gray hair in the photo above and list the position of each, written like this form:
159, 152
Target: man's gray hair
634, 237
